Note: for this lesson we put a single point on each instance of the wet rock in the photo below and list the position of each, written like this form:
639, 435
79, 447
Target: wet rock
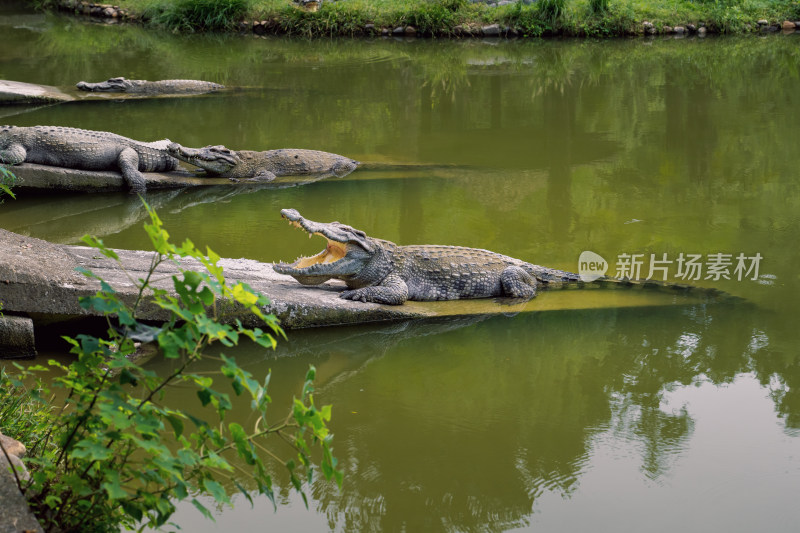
14, 513
680, 30
463, 30
398, 30
788, 25
647, 25
762, 22
260, 28
13, 446
369, 28
385, 31
769, 29
666, 29
701, 31
19, 467
492, 30
410, 30
691, 28
17, 92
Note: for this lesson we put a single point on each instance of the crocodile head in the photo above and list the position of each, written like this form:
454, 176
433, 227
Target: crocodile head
213, 159
111, 85
348, 251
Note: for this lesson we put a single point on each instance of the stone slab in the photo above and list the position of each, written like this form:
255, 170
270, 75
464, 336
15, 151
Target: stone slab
22, 93
43, 178
19, 93
38, 279
16, 337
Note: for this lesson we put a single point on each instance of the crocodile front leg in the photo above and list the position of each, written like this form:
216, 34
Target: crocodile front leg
128, 161
517, 283
391, 291
13, 155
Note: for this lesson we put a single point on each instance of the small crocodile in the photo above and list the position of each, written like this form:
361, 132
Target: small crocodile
123, 85
85, 150
380, 271
262, 166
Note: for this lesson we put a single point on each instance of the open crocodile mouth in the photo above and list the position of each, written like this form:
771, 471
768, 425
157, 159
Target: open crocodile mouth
333, 252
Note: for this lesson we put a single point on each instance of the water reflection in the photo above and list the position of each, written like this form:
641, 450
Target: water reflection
453, 425
66, 217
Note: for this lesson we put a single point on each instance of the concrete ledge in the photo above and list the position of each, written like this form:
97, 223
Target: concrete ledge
38, 279
16, 337
17, 92
21, 93
42, 178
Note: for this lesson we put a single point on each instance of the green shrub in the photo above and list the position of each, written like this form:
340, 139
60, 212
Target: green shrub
617, 19
433, 18
7, 180
598, 6
337, 18
198, 15
22, 416
526, 19
551, 10
115, 453
793, 11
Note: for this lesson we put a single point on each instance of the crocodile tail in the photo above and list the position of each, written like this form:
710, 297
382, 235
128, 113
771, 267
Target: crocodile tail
551, 278
608, 282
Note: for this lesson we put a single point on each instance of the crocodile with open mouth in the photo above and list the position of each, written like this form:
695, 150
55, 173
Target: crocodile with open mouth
381, 271
262, 166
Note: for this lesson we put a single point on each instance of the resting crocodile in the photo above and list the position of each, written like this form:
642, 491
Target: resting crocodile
85, 150
262, 166
380, 271
122, 85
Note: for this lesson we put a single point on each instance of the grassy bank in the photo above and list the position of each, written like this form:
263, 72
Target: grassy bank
595, 18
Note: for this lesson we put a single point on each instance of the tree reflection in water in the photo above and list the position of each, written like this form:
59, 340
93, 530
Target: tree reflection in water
457, 424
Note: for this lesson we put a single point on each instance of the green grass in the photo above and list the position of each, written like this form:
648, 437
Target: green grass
22, 417
445, 17
196, 15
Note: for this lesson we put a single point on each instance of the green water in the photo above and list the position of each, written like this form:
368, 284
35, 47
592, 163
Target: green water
651, 419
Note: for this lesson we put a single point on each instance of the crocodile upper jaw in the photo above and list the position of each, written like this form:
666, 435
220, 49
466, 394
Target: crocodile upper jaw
347, 252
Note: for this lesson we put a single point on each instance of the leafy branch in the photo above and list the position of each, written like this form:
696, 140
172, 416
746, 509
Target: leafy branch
122, 456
